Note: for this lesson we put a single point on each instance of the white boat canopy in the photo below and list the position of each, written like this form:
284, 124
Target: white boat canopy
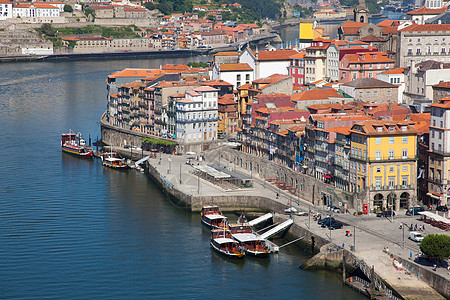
436, 217
246, 237
223, 240
215, 217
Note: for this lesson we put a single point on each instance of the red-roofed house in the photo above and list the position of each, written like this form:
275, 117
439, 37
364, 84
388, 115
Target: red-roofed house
420, 15
441, 90
363, 65
6, 9
228, 115
297, 68
395, 76
315, 60
317, 96
236, 74
31, 10
266, 63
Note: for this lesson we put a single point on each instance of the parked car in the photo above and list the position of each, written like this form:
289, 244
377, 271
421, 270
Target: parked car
328, 222
334, 208
415, 210
321, 221
335, 225
415, 236
232, 140
442, 208
386, 213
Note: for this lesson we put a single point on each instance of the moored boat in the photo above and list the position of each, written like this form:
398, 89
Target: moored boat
212, 216
248, 240
74, 144
112, 160
227, 246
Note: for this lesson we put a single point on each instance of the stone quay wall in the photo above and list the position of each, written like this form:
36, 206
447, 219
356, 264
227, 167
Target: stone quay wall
309, 188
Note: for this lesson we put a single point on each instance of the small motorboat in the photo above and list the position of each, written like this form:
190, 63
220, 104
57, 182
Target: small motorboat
112, 160
75, 144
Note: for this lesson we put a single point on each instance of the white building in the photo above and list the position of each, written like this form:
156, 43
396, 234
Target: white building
266, 63
197, 116
236, 74
397, 77
6, 9
59, 5
35, 10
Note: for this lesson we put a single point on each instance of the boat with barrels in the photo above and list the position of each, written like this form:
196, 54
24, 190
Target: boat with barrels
75, 144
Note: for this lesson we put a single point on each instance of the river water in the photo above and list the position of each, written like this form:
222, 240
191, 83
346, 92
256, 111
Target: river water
70, 228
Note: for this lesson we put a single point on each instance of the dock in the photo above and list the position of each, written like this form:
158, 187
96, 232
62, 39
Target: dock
276, 229
261, 219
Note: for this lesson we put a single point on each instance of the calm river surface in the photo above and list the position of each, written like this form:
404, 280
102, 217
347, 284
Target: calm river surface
70, 228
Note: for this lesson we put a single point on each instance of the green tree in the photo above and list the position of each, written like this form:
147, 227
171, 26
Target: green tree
165, 8
48, 30
149, 5
436, 246
68, 8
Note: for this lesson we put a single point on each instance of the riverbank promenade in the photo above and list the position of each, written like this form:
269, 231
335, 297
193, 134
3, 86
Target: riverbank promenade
370, 235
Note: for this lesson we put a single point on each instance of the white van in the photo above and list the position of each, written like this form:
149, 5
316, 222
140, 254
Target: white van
415, 236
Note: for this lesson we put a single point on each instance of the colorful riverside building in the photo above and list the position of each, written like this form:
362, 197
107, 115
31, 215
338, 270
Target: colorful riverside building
439, 153
383, 163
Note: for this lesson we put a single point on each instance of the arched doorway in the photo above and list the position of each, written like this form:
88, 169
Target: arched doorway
404, 200
378, 202
391, 198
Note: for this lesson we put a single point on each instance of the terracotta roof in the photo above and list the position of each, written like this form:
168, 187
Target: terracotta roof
427, 27
443, 103
134, 85
394, 71
217, 82
271, 79
372, 38
363, 83
136, 73
370, 127
342, 130
299, 55
368, 57
390, 30
205, 89
351, 27
443, 84
328, 118
315, 94
231, 53
235, 67
388, 23
428, 11
227, 99
276, 55
325, 106
175, 67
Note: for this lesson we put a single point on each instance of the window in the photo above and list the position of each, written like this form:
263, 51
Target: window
370, 66
391, 153
405, 169
370, 75
360, 94
375, 93
389, 93
378, 181
404, 153
391, 181
391, 128
378, 170
391, 169
391, 140
378, 154
440, 135
405, 180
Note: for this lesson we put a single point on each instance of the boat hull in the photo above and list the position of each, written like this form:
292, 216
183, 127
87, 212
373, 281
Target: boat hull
76, 152
227, 254
117, 167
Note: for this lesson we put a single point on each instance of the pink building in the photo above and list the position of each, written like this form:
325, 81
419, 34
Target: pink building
363, 65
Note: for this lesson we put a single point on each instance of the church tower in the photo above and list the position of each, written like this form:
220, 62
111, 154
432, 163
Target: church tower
361, 12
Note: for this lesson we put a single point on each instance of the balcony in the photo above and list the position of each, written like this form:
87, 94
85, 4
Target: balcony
437, 181
392, 187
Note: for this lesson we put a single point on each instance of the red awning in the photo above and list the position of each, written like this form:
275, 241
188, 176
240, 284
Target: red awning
326, 176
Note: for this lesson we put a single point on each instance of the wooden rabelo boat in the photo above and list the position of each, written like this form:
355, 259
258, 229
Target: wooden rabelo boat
244, 234
75, 144
222, 242
212, 216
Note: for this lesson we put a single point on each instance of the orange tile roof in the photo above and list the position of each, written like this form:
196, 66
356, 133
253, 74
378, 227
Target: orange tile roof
216, 82
299, 55
325, 106
271, 79
368, 57
427, 27
394, 71
369, 127
443, 103
235, 67
136, 73
315, 94
276, 55
231, 53
351, 27
390, 30
444, 84
342, 130
372, 38
388, 23
428, 11
175, 67
328, 118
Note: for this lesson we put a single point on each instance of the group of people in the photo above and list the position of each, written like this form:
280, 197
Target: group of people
413, 227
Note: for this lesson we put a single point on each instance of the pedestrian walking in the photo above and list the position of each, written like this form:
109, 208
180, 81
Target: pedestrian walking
401, 225
410, 255
415, 227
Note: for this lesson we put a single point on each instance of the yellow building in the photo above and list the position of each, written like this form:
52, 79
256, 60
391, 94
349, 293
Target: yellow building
383, 163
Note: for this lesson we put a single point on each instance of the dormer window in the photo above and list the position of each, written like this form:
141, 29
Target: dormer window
374, 56
379, 129
391, 128
404, 128
363, 57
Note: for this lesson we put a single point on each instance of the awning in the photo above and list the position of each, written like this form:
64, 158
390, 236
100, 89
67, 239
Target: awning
326, 176
433, 196
436, 217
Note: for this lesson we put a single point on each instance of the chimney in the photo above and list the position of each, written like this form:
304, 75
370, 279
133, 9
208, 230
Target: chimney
390, 106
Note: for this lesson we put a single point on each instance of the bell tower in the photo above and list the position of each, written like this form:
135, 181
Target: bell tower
361, 12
